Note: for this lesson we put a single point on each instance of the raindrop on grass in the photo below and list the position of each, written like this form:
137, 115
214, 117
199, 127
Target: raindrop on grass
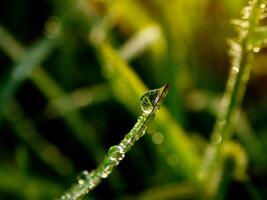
150, 99
116, 153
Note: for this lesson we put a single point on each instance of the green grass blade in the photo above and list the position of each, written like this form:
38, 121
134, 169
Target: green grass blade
126, 87
150, 103
80, 128
242, 55
24, 67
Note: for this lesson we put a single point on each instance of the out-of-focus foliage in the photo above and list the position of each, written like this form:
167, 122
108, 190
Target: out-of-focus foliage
72, 73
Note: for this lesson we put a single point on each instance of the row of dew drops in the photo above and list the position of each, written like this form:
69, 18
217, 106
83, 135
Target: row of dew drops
88, 181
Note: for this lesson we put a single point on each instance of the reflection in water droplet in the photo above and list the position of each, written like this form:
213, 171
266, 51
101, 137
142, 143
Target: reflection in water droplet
150, 99
146, 104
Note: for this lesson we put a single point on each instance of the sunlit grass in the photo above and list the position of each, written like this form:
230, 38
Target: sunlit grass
70, 81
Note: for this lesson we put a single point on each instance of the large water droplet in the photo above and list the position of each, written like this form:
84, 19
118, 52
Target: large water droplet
151, 98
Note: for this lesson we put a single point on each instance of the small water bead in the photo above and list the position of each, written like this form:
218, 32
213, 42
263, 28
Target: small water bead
93, 180
256, 49
235, 70
116, 153
82, 177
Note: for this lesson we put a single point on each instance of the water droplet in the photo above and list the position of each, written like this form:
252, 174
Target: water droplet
82, 177
263, 6
235, 70
151, 98
93, 179
256, 49
116, 154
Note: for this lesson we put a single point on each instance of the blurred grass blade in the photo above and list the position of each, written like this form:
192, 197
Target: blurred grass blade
126, 87
139, 42
51, 90
233, 154
201, 101
26, 186
180, 190
26, 132
78, 99
8, 43
80, 128
24, 67
242, 55
128, 10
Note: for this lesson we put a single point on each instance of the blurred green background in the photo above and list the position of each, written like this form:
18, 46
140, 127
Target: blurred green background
65, 98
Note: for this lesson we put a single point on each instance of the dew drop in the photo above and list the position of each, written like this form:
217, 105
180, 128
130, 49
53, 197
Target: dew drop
82, 177
93, 179
151, 98
146, 104
256, 49
116, 153
235, 70
263, 6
